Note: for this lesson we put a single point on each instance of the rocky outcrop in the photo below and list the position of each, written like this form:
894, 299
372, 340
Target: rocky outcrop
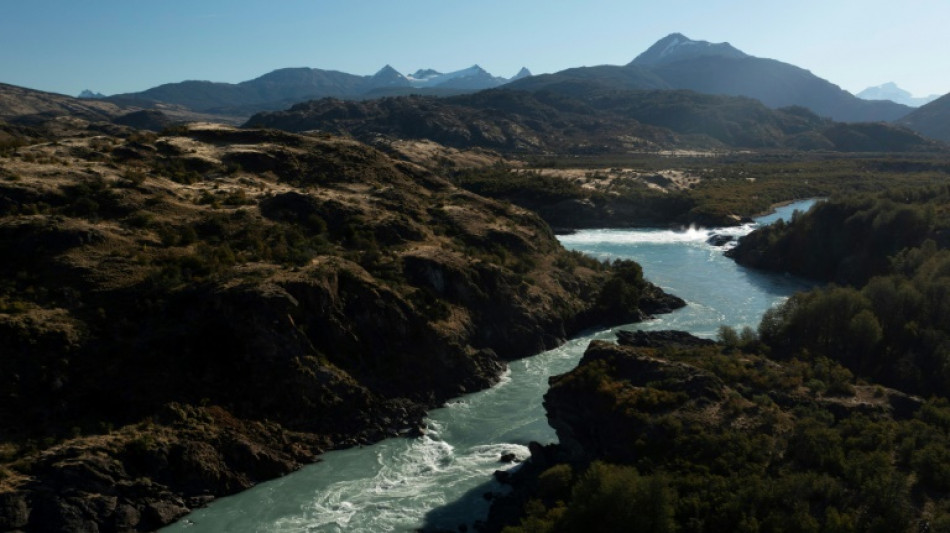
709, 420
592, 424
146, 476
659, 339
720, 240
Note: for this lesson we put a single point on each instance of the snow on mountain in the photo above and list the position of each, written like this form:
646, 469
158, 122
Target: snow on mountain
474, 77
890, 91
423, 74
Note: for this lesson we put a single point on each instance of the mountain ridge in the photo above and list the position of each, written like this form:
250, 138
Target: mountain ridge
284, 87
676, 46
932, 120
677, 62
890, 91
672, 62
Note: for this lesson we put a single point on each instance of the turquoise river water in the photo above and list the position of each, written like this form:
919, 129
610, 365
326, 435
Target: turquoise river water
438, 481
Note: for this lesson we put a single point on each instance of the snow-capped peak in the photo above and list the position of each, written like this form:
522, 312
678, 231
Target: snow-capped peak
890, 91
432, 78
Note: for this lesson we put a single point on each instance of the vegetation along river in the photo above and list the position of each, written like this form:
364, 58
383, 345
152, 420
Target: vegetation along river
438, 481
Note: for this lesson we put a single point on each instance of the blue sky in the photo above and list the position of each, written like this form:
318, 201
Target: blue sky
115, 46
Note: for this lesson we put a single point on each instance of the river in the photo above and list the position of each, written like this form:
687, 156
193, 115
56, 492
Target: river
439, 480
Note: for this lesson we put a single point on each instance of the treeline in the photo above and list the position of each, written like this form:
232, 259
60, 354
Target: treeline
757, 447
788, 428
890, 320
850, 239
894, 330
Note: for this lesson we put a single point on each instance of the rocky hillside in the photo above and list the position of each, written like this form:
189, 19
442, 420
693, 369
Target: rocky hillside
589, 119
184, 315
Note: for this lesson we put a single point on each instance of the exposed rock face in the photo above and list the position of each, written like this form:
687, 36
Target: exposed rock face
144, 477
658, 339
720, 240
589, 425
190, 314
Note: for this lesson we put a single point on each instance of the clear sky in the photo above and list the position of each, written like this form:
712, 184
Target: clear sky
115, 46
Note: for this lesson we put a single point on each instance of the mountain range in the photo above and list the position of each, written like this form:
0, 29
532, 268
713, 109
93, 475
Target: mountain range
284, 87
677, 62
673, 62
890, 91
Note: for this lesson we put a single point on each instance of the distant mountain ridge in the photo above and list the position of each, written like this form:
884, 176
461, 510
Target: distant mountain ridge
890, 91
284, 87
673, 62
677, 47
86, 93
677, 62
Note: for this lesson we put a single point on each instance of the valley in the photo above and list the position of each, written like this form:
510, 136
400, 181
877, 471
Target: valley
325, 278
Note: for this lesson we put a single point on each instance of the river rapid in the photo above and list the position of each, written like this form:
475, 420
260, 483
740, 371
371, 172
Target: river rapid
439, 481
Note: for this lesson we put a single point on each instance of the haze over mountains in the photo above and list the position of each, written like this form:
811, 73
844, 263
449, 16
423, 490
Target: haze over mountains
890, 91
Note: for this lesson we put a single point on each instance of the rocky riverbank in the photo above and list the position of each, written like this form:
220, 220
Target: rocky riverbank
187, 314
670, 432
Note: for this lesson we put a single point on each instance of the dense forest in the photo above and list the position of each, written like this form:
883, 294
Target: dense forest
889, 320
721, 439
833, 417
